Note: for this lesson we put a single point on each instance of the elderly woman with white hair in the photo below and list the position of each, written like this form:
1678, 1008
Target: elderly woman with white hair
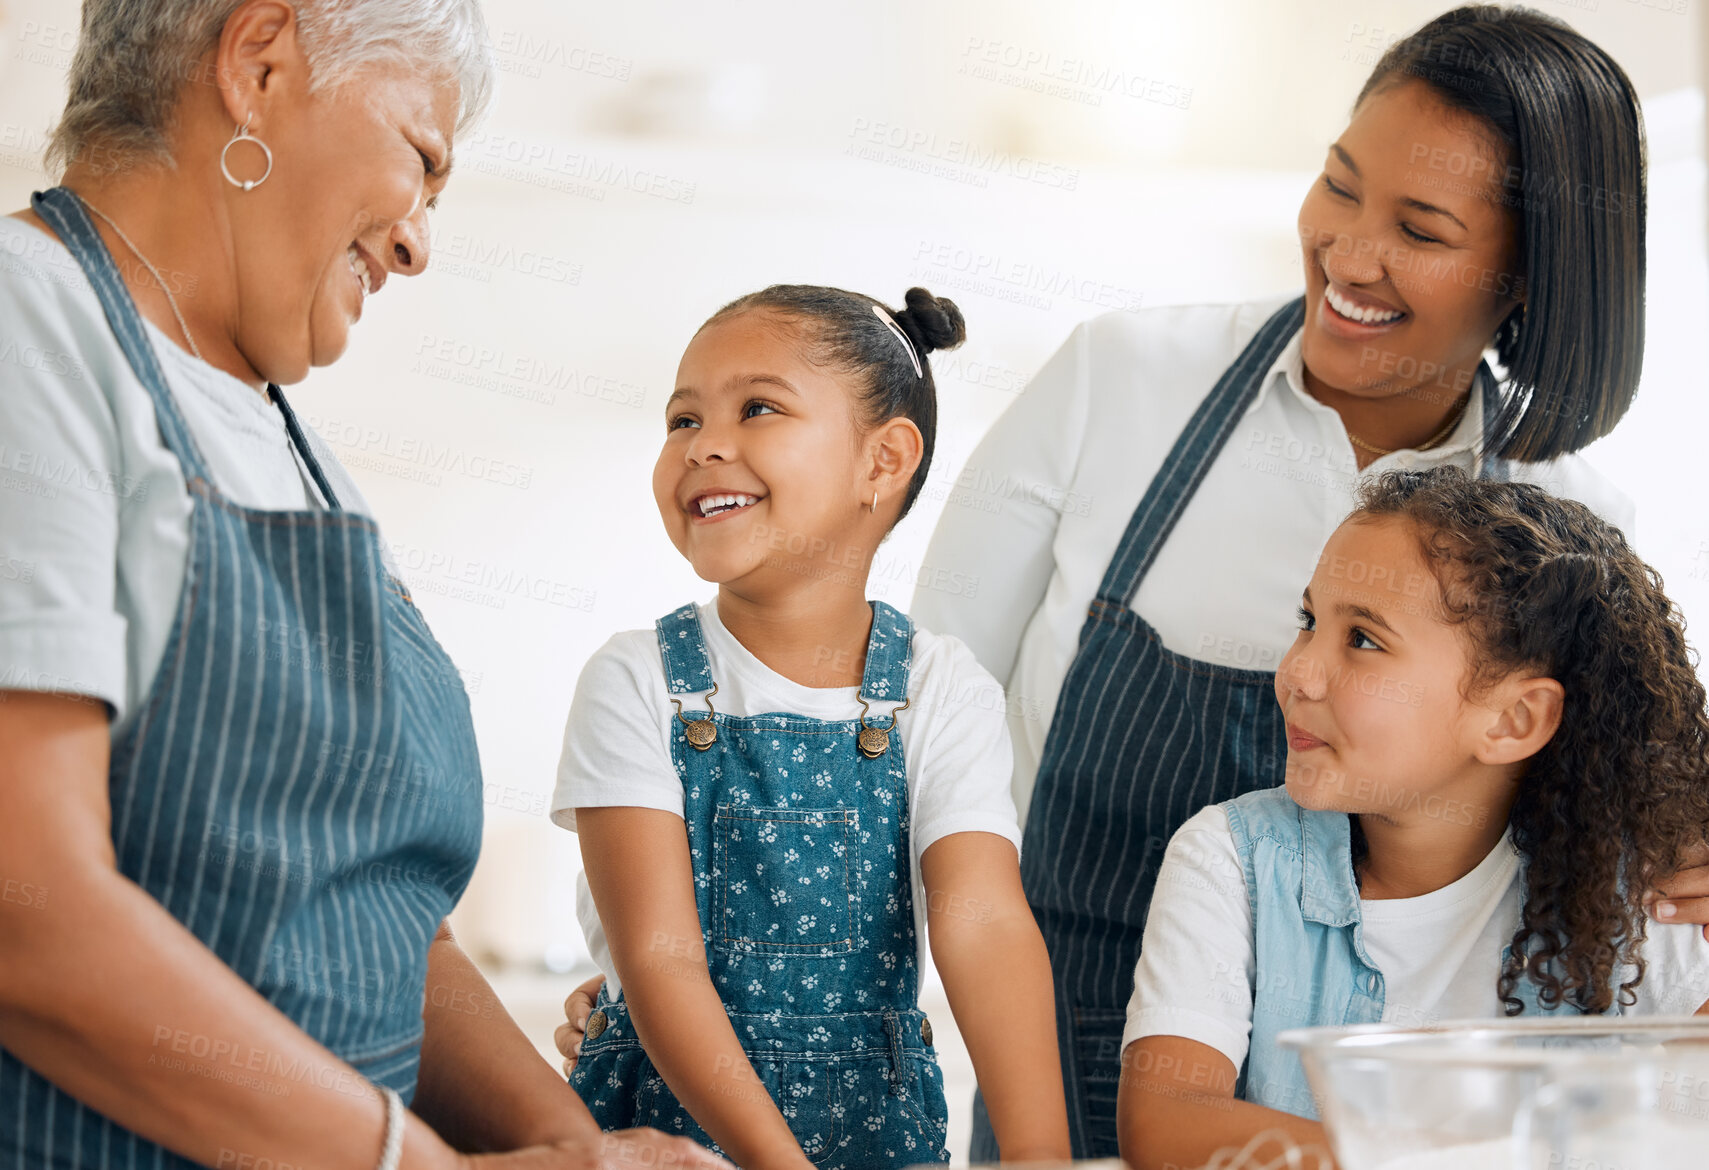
239, 789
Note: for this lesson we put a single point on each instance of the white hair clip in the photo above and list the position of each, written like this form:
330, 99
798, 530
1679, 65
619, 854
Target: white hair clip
890, 324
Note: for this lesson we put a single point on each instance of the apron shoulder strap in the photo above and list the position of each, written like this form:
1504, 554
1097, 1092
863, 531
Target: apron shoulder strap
302, 444
682, 645
1191, 457
889, 650
62, 210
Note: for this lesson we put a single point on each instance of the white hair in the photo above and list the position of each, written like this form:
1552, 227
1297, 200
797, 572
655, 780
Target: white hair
134, 57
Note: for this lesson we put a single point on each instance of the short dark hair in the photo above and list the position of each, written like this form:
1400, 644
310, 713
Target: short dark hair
843, 332
1567, 120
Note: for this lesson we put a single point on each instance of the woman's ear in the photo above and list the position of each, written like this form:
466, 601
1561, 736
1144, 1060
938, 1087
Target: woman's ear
258, 41
1525, 714
894, 450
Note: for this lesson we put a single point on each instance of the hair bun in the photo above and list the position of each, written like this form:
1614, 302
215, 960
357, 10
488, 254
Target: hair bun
932, 322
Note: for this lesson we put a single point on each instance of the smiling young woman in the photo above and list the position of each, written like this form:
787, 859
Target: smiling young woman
1461, 209
1403, 277
1487, 194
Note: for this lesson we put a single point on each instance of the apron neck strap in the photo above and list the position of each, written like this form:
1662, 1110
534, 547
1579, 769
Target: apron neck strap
1190, 459
302, 442
62, 210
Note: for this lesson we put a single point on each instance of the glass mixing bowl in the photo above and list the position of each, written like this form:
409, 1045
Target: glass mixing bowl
1580, 1093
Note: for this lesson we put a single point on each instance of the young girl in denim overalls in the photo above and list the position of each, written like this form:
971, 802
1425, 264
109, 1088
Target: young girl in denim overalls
1497, 746
768, 788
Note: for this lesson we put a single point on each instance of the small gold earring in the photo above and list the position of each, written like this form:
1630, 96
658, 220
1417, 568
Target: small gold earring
874, 506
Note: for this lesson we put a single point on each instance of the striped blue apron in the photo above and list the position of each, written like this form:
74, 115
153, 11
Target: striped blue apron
299, 787
1142, 739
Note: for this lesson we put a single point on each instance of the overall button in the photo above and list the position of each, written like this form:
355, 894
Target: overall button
595, 1025
926, 1031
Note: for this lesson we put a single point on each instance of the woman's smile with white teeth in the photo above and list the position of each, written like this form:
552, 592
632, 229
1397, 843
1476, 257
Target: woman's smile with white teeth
1353, 312
359, 266
718, 505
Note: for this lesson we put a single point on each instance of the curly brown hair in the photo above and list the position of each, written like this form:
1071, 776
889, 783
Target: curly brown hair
1620, 792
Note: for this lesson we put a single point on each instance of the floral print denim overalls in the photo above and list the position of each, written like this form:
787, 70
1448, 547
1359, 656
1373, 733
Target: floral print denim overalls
802, 879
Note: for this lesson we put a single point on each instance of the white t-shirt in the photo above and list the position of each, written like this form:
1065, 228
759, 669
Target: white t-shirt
1035, 516
1440, 953
617, 741
94, 515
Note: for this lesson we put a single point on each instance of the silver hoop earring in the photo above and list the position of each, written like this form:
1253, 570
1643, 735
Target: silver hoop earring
242, 134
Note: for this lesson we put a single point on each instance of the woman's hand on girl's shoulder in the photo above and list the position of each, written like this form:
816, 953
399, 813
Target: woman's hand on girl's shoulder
1684, 896
618, 1150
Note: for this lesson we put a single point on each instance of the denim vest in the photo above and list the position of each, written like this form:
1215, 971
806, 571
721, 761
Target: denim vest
1311, 965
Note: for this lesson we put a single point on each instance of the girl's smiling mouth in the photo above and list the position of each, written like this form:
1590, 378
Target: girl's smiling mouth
712, 506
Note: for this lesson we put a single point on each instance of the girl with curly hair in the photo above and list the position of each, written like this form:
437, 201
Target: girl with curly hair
1497, 745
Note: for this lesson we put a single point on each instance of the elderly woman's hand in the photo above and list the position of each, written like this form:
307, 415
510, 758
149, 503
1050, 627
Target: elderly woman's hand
577, 1007
617, 1150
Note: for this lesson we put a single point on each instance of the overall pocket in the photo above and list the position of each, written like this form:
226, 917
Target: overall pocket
612, 1083
927, 1105
805, 1092
786, 880
883, 1128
